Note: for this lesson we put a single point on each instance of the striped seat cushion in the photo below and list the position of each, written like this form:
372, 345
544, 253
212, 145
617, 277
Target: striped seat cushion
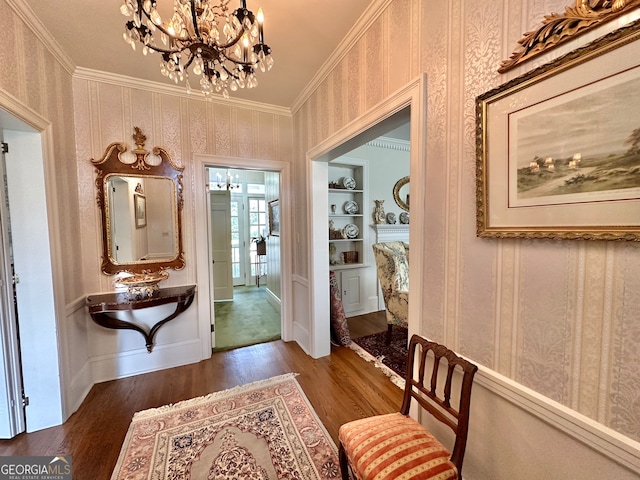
394, 447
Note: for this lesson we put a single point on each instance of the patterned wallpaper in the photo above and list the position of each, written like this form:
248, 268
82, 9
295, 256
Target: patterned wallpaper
35, 78
559, 317
185, 126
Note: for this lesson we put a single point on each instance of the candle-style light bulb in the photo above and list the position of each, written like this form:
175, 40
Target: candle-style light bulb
245, 46
260, 23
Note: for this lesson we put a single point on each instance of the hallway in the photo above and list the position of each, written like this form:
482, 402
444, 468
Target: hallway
247, 320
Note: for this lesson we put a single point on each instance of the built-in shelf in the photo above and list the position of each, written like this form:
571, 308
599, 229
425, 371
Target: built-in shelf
346, 266
344, 249
344, 190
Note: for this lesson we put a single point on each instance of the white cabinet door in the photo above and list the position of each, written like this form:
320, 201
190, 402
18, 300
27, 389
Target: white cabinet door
351, 290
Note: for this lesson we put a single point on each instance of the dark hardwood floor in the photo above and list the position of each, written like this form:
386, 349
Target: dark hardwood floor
341, 387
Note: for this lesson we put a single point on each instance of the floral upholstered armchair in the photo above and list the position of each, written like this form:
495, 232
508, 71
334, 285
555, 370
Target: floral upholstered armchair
392, 260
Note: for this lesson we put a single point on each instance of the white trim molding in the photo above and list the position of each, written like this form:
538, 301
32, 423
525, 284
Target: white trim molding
177, 90
391, 144
610, 443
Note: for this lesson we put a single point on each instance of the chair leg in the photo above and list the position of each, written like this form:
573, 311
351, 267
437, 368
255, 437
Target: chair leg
388, 339
344, 463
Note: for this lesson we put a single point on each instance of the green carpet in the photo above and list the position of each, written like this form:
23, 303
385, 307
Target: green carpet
247, 320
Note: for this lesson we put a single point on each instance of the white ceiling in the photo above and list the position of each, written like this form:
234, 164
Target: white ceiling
301, 33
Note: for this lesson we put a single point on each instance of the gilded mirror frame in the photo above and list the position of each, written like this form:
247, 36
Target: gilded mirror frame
118, 161
396, 193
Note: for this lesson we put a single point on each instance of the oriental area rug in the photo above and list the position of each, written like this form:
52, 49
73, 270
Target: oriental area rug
263, 430
391, 359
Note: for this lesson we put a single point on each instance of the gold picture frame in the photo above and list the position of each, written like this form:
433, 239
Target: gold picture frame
556, 28
274, 218
551, 158
140, 205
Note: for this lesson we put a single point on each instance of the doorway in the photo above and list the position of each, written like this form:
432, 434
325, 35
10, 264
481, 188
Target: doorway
246, 313
32, 254
413, 96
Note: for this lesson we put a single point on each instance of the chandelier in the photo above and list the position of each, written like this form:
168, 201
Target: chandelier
224, 48
229, 184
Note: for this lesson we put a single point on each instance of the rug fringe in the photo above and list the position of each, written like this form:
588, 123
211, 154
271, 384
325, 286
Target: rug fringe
151, 412
396, 379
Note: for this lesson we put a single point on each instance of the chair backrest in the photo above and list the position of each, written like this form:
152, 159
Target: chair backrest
435, 396
392, 261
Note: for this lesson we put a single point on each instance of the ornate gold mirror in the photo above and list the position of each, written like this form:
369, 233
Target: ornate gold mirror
401, 193
140, 197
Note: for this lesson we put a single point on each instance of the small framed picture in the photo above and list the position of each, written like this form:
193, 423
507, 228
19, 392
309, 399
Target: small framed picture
140, 203
274, 218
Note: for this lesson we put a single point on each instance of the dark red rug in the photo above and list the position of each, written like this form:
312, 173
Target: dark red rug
394, 355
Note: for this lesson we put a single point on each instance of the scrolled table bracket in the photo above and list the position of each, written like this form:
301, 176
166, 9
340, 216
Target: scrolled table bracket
100, 306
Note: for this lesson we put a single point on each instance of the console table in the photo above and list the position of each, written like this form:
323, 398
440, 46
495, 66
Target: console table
101, 305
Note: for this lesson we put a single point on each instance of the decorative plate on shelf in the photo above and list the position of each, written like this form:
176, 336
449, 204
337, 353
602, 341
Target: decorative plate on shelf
351, 207
404, 218
349, 183
351, 231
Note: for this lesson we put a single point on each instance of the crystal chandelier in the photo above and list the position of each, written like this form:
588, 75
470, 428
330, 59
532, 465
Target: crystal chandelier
224, 48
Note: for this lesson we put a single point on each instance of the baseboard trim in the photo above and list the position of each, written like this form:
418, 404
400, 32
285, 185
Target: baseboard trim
79, 388
136, 362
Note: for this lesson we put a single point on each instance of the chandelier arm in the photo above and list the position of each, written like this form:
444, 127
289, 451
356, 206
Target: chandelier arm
160, 27
231, 42
164, 50
194, 19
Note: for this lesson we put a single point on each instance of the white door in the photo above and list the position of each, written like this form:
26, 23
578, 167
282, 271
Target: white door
120, 224
221, 245
12, 415
238, 239
257, 227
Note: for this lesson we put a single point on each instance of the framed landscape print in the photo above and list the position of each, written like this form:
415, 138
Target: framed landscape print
558, 149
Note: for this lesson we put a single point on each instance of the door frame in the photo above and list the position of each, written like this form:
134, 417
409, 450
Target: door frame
412, 95
203, 275
45, 373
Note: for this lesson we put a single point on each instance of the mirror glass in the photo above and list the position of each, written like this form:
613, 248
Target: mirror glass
143, 222
401, 193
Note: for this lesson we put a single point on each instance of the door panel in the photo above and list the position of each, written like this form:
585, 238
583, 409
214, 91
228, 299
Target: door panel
12, 414
257, 227
221, 245
238, 243
351, 284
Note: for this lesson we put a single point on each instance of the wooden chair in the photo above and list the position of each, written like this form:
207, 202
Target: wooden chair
386, 447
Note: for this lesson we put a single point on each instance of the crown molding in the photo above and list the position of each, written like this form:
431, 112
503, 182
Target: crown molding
391, 144
82, 73
370, 15
24, 12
